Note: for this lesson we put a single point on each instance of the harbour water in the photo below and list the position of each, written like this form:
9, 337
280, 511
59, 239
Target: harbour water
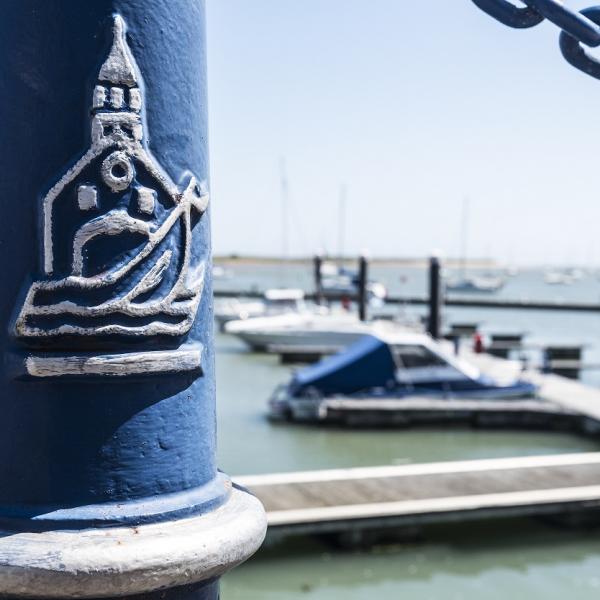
525, 560
518, 560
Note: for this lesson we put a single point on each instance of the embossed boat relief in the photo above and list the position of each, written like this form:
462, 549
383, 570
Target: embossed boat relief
118, 259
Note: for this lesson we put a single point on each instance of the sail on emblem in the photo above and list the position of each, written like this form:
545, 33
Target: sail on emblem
118, 259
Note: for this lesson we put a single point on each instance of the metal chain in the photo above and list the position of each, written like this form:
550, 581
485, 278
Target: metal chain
577, 27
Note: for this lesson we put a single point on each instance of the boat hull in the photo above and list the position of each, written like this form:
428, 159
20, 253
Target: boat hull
333, 341
403, 406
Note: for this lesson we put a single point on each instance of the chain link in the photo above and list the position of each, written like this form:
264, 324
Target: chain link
577, 27
574, 52
507, 13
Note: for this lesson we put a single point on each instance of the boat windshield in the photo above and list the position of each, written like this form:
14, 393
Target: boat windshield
285, 303
284, 300
415, 357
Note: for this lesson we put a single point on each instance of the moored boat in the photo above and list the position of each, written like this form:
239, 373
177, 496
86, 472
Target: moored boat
562, 277
477, 284
314, 329
340, 281
396, 366
276, 301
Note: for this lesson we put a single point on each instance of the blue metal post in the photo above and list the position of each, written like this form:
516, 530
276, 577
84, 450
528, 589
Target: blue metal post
363, 279
435, 298
107, 397
318, 267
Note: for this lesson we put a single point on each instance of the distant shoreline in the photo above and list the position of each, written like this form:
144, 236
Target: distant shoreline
417, 263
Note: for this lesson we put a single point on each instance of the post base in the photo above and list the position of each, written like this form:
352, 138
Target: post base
205, 590
121, 561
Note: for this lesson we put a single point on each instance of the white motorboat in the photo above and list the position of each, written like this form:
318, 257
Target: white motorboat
330, 331
562, 277
275, 302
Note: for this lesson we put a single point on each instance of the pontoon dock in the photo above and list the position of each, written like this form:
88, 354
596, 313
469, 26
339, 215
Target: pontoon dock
363, 499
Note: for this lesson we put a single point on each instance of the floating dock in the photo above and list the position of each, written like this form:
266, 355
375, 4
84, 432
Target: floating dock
453, 300
365, 499
568, 394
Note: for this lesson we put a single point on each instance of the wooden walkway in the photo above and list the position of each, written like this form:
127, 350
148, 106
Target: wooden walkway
569, 394
408, 495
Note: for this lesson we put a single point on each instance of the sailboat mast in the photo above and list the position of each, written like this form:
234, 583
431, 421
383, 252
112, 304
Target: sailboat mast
342, 222
464, 228
284, 210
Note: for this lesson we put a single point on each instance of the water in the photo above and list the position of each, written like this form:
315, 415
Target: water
484, 561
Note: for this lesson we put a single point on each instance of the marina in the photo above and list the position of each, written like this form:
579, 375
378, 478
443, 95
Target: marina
308, 447
289, 457
381, 498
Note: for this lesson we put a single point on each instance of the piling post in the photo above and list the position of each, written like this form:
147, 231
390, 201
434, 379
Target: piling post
563, 360
363, 268
503, 344
107, 434
435, 298
318, 274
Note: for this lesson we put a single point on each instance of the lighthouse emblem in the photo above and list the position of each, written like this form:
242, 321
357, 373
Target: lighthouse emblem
118, 263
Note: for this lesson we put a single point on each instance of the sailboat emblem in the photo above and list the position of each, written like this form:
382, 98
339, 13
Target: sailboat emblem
119, 266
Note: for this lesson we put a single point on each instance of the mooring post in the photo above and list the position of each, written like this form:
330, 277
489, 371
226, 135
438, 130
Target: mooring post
108, 481
435, 298
563, 360
363, 268
318, 264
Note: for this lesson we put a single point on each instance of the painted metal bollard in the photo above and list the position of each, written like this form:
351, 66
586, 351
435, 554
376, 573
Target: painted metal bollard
363, 280
434, 318
108, 481
318, 274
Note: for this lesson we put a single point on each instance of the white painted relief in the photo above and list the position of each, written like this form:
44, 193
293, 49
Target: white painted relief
87, 197
117, 171
116, 365
118, 188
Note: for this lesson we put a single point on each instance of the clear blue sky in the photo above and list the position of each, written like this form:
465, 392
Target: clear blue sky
413, 105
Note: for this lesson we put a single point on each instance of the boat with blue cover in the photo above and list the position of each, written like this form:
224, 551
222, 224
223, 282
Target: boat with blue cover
391, 367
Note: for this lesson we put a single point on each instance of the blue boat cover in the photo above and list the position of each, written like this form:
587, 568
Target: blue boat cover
367, 363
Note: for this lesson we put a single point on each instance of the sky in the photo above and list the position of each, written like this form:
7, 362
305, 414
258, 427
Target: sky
413, 107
